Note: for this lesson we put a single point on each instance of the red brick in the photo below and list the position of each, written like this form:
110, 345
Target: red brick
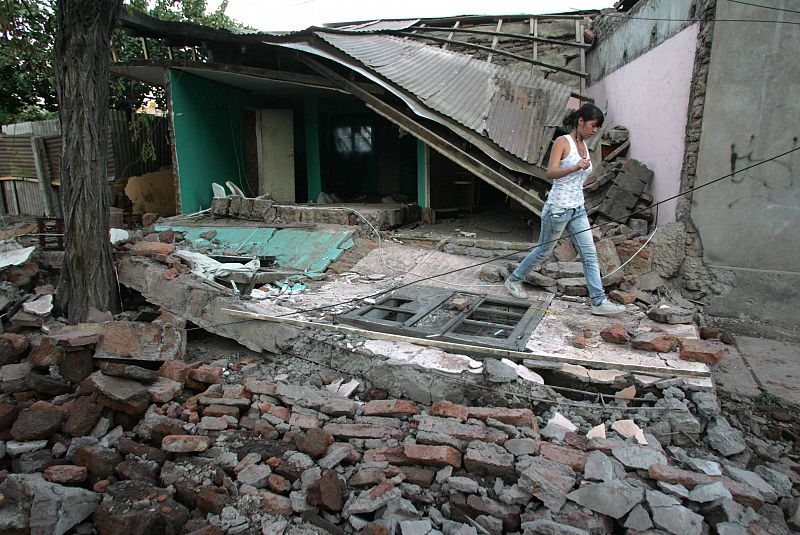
743, 494
374, 529
221, 410
660, 343
622, 297
207, 373
567, 456
47, 353
389, 407
149, 248
580, 342
363, 431
315, 442
382, 488
177, 370
517, 417
13, 347
616, 334
390, 455
701, 351
445, 409
65, 474
433, 455
280, 412
260, 387
710, 333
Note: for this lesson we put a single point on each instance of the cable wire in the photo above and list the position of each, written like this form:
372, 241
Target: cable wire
624, 16
765, 7
589, 229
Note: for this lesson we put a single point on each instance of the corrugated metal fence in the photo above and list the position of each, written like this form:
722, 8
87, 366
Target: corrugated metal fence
23, 193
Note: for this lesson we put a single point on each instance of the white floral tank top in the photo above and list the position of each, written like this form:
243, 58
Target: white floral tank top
567, 191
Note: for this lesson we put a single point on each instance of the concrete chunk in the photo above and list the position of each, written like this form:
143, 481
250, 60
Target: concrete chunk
615, 498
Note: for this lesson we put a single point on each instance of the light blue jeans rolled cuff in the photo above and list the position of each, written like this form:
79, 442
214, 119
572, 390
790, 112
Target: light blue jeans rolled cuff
575, 221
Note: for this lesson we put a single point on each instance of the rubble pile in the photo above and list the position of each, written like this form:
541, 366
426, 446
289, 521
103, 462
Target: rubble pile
619, 190
243, 447
266, 210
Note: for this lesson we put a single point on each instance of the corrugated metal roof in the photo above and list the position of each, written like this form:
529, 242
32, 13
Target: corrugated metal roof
516, 109
375, 25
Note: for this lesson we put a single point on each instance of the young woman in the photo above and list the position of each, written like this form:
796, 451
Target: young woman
568, 168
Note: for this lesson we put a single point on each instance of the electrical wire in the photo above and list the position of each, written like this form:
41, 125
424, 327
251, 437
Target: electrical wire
628, 17
765, 7
589, 229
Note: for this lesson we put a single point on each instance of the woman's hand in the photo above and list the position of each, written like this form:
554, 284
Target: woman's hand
582, 164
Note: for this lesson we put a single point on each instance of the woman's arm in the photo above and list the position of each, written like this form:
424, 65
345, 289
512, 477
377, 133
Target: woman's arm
560, 150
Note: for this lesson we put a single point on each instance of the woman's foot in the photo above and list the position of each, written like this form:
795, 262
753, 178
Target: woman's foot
515, 288
607, 308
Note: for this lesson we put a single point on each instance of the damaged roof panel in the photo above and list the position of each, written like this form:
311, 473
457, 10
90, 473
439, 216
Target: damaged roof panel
515, 108
310, 250
525, 134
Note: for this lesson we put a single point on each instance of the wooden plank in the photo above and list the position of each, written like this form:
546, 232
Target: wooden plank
18, 231
500, 52
49, 200
516, 356
582, 60
534, 30
495, 39
522, 37
450, 35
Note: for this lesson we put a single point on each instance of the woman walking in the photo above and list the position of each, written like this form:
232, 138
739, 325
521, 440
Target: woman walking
568, 168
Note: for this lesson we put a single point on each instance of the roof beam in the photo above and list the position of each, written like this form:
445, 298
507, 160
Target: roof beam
521, 37
492, 51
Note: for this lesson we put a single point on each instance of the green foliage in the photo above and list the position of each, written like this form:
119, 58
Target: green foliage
27, 81
27, 39
769, 399
141, 129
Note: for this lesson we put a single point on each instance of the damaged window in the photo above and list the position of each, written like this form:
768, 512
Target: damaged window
451, 316
353, 139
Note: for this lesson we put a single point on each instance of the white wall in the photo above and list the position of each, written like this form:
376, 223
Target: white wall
650, 96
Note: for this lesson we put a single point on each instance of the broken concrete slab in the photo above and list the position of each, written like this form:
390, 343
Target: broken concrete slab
155, 341
119, 394
613, 498
724, 438
638, 457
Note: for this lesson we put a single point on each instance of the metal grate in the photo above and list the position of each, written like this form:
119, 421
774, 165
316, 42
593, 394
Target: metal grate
461, 317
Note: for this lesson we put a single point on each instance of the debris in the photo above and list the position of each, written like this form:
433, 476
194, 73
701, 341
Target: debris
557, 427
628, 429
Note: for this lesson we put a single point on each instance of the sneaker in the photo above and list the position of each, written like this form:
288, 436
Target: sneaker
607, 308
515, 288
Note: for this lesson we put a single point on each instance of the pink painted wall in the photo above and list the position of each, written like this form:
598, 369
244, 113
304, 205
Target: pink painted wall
650, 96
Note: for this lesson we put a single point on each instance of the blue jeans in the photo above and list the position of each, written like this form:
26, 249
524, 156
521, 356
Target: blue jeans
574, 220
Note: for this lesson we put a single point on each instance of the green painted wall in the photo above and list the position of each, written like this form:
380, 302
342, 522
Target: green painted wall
422, 166
313, 167
208, 119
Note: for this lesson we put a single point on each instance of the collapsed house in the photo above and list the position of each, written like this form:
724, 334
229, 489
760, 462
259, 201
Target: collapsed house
393, 386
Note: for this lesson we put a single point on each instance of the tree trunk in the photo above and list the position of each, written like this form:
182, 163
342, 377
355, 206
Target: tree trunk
83, 36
